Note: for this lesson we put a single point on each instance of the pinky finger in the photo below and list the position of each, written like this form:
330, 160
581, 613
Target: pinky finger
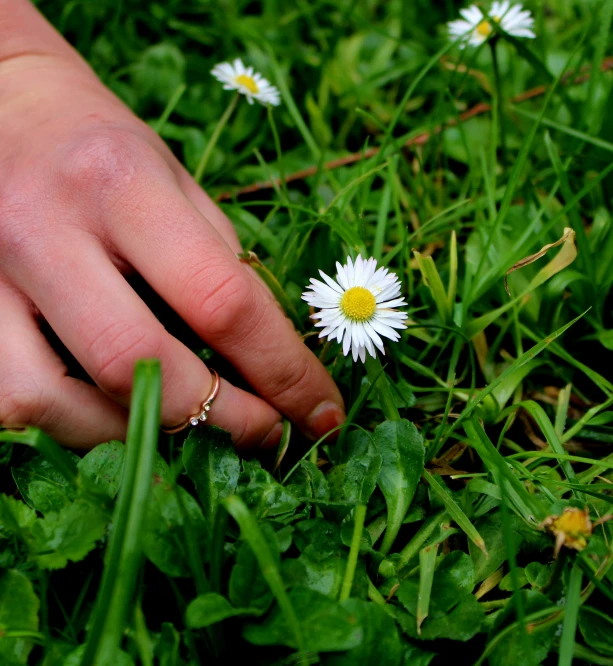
34, 388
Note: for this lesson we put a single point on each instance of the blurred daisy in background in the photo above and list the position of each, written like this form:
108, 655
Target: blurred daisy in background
358, 307
475, 24
235, 76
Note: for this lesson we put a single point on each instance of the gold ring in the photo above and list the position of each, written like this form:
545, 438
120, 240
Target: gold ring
205, 407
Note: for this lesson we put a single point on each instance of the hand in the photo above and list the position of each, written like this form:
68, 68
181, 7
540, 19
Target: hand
89, 193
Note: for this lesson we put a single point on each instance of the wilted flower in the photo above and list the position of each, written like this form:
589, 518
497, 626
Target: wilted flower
359, 307
571, 529
475, 24
235, 76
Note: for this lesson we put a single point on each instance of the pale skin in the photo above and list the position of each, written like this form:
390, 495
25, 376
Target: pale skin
88, 195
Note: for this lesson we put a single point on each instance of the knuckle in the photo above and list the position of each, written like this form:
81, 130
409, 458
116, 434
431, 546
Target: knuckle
23, 399
288, 381
219, 296
115, 350
102, 161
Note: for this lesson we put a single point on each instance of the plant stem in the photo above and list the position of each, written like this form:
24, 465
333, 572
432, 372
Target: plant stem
223, 121
378, 379
499, 99
354, 551
374, 595
170, 107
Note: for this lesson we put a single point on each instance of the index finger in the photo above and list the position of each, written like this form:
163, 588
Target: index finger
190, 265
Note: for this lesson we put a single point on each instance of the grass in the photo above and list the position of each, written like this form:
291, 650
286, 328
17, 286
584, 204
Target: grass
490, 417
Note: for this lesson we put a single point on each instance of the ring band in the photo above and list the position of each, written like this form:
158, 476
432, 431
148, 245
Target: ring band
201, 416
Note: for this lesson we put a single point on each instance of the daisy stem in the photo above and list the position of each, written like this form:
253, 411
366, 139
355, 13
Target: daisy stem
223, 121
498, 99
354, 551
378, 378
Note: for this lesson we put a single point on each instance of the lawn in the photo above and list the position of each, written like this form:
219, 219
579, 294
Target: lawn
463, 510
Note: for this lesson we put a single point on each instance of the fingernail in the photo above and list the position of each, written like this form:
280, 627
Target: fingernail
273, 438
325, 417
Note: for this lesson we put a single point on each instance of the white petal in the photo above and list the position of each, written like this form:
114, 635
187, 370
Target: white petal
330, 282
346, 343
341, 276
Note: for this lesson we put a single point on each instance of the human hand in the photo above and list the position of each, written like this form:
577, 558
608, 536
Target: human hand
89, 193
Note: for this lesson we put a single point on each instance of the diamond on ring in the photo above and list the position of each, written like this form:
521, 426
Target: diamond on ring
205, 407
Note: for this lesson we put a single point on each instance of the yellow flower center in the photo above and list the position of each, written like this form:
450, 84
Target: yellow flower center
484, 28
358, 304
248, 82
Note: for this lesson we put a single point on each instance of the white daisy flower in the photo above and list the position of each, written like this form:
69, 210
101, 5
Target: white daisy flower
475, 25
235, 76
359, 307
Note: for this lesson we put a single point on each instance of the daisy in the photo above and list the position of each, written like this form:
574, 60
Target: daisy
475, 25
235, 76
359, 307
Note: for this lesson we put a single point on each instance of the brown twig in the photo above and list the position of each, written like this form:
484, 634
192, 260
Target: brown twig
419, 140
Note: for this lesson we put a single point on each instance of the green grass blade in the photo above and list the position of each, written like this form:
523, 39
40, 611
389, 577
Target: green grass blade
427, 564
543, 422
569, 628
124, 553
253, 535
47, 447
455, 511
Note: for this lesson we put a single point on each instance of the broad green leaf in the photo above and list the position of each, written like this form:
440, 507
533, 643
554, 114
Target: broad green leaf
210, 608
416, 656
262, 494
318, 538
490, 528
14, 515
247, 586
327, 626
324, 575
76, 657
309, 481
16, 519
171, 511
402, 453
159, 71
104, 467
453, 580
42, 486
353, 482
460, 624
538, 574
269, 566
381, 643
511, 646
19, 608
69, 534
168, 646
212, 464
597, 629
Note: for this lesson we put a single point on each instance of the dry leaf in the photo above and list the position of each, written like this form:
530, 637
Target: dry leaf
566, 256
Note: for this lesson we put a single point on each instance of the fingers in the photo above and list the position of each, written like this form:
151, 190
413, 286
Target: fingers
210, 211
34, 389
108, 328
197, 273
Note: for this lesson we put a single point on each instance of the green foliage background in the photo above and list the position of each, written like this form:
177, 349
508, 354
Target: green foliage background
419, 535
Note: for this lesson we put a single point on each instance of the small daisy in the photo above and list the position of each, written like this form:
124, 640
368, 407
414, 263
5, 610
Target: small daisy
359, 307
235, 76
476, 27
